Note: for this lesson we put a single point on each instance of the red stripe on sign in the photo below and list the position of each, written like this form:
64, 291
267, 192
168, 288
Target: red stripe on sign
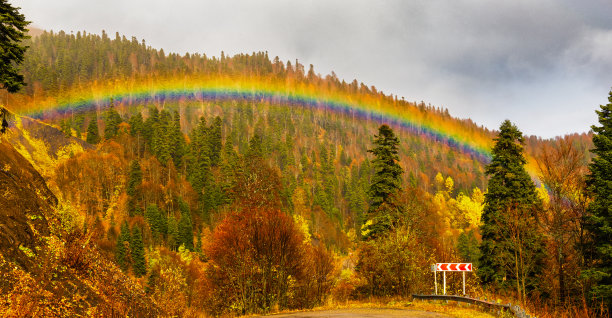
453, 267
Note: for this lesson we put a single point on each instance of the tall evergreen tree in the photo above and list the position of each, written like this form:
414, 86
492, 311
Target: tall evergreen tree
215, 141
599, 221
138, 255
173, 233
161, 140
122, 252
13, 31
185, 228
387, 171
255, 147
178, 146
93, 136
135, 178
157, 222
511, 248
112, 119
384, 184
136, 124
199, 162
149, 127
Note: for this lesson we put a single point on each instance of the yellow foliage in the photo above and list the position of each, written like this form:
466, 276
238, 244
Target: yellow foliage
302, 225
478, 196
542, 193
449, 184
185, 254
471, 210
439, 180
68, 151
365, 228
68, 217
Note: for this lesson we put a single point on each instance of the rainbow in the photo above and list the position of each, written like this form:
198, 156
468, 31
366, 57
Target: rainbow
292, 93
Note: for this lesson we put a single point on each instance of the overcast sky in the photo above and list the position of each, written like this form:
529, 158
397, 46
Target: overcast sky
546, 65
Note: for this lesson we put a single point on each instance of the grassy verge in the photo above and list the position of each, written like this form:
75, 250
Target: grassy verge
452, 309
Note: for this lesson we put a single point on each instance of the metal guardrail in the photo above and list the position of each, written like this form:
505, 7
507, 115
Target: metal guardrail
514, 309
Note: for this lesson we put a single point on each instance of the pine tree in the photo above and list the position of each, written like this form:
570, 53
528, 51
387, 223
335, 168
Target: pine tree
135, 178
467, 245
387, 171
178, 145
93, 136
112, 119
599, 222
385, 183
173, 233
185, 228
136, 124
255, 147
138, 254
157, 222
511, 248
199, 162
215, 141
149, 127
12, 49
122, 253
161, 140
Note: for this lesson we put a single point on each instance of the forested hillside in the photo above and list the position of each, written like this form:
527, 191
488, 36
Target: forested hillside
248, 202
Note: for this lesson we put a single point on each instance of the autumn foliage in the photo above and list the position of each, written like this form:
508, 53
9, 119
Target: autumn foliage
260, 261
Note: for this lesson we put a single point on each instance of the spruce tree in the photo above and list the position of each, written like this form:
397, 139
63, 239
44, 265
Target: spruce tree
599, 221
384, 184
215, 141
12, 49
185, 227
93, 136
511, 248
149, 126
138, 255
156, 223
136, 124
173, 233
255, 147
178, 146
122, 253
112, 119
160, 145
387, 172
135, 178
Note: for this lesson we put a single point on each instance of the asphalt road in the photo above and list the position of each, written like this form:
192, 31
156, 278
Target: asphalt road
362, 313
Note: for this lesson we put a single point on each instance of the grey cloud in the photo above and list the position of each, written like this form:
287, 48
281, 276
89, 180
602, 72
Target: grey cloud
544, 64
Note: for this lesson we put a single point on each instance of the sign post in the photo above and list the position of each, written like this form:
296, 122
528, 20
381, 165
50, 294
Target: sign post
433, 269
444, 272
451, 267
463, 283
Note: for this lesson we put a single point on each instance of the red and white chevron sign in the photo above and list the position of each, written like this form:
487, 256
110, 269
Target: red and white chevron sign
454, 267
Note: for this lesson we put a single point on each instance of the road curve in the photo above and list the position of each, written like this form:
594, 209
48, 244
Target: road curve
362, 313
